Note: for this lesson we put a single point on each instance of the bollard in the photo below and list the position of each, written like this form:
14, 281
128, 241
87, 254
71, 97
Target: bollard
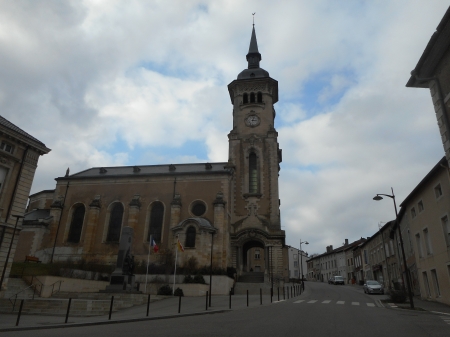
271, 294
148, 304
179, 304
247, 297
287, 290
284, 294
20, 312
278, 291
260, 296
230, 300
68, 309
206, 300
110, 307
291, 293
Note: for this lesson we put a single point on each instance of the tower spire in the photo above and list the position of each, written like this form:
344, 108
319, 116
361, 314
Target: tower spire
253, 56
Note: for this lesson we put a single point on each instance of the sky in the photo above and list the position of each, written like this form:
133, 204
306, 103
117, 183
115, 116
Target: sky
108, 82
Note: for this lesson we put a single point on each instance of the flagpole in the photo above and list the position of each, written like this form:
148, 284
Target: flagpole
175, 272
148, 261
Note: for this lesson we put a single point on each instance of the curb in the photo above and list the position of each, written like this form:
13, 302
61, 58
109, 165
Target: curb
130, 320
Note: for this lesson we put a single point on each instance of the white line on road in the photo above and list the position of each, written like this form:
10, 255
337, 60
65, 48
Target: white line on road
340, 302
299, 301
355, 303
370, 304
312, 301
326, 302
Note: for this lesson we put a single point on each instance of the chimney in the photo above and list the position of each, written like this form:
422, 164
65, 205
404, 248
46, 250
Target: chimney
346, 242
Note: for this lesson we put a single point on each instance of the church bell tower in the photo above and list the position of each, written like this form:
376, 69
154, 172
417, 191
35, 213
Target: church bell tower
254, 155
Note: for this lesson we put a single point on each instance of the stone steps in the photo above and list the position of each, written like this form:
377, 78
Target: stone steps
240, 288
254, 277
18, 286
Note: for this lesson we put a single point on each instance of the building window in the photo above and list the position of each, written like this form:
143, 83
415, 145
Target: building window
257, 254
6, 147
295, 263
427, 239
413, 212
253, 173
419, 245
190, 237
252, 97
3, 173
296, 273
435, 282
259, 97
76, 224
426, 284
438, 191
156, 221
198, 208
245, 98
446, 228
420, 206
115, 223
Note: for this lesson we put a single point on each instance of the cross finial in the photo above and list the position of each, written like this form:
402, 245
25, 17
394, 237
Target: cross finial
253, 19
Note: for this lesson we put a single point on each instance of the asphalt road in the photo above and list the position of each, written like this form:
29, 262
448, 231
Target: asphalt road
322, 310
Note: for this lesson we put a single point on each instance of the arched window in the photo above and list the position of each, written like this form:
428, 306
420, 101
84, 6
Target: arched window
76, 224
259, 97
156, 222
115, 223
252, 173
190, 237
252, 97
245, 98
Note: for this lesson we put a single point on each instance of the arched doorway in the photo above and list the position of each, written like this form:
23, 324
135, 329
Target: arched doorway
253, 259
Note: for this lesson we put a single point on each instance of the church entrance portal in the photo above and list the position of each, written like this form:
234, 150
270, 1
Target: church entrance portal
254, 257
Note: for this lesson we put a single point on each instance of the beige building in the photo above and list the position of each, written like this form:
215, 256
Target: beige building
233, 206
426, 211
19, 155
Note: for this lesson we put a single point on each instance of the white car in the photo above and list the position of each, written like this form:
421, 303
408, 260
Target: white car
373, 287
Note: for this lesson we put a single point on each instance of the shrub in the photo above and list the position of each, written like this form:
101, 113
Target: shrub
398, 296
165, 290
188, 279
178, 292
199, 279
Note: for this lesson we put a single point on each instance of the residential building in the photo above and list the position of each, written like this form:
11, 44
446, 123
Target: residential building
297, 262
426, 234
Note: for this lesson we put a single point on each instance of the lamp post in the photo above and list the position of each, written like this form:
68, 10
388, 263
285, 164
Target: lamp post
18, 217
377, 198
210, 268
301, 260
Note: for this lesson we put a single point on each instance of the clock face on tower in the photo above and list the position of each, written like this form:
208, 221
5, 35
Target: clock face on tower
252, 121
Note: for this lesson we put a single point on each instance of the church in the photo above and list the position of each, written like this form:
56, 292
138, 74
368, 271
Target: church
230, 209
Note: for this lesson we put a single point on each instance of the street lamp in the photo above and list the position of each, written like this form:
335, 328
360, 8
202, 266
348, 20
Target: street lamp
301, 260
377, 198
18, 217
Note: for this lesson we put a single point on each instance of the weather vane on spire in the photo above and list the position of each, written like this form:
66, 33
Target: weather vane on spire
253, 19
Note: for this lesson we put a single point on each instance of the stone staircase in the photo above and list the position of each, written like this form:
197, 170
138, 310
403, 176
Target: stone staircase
253, 282
17, 286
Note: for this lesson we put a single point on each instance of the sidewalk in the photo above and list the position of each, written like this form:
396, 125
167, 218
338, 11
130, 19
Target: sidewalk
166, 308
430, 306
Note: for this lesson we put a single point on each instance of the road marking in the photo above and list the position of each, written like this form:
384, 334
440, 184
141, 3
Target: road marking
312, 301
326, 302
355, 303
340, 302
370, 304
299, 301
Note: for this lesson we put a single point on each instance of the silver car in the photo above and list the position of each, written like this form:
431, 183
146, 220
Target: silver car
373, 287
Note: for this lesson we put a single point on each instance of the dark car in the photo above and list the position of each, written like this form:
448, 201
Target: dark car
373, 287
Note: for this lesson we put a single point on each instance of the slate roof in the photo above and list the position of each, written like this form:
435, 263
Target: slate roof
144, 170
18, 131
36, 215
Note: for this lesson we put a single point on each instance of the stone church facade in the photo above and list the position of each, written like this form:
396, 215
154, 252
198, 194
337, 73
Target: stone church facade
229, 208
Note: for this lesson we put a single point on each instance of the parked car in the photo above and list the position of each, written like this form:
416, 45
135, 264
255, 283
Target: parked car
337, 280
373, 287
